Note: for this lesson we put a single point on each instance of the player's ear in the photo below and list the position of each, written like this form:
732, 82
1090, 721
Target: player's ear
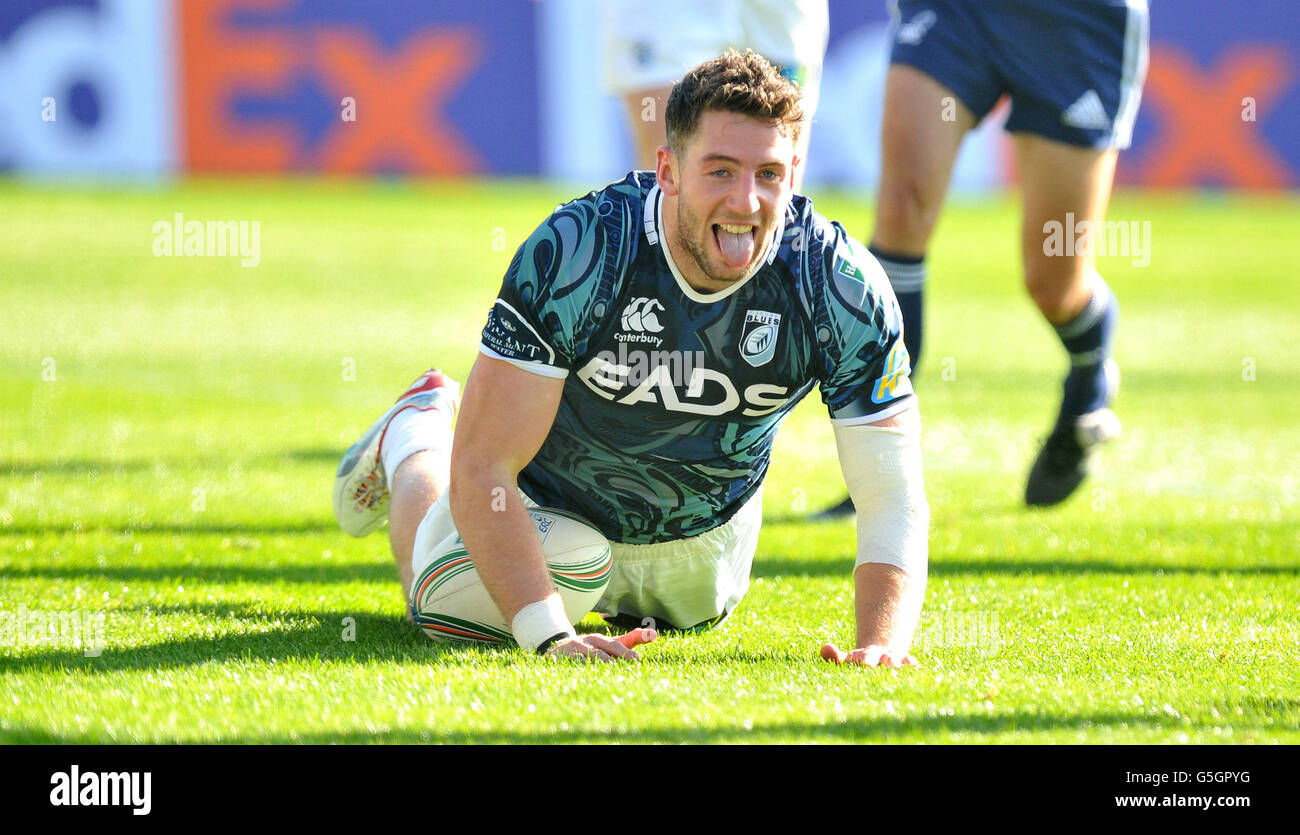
795, 162
666, 170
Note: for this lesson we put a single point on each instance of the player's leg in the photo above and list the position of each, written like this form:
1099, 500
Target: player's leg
922, 131
1074, 97
923, 128
1060, 180
941, 83
1064, 186
399, 467
645, 118
648, 45
415, 485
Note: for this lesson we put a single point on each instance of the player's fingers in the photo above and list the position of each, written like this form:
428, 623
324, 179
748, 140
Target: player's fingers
575, 649
637, 637
833, 654
561, 651
612, 647
867, 656
895, 659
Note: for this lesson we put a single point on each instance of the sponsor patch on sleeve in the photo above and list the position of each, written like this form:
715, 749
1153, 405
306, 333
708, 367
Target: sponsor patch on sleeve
511, 336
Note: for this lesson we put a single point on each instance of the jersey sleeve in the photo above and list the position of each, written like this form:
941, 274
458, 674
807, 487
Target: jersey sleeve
859, 330
547, 292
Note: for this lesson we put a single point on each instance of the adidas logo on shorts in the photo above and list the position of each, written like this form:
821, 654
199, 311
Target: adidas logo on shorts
1087, 113
914, 30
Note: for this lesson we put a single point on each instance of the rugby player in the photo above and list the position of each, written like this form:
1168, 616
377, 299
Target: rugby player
646, 343
649, 44
1074, 71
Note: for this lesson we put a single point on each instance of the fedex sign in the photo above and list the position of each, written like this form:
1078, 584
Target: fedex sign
85, 87
438, 89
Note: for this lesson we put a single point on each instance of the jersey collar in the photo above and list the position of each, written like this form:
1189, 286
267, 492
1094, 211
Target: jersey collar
655, 236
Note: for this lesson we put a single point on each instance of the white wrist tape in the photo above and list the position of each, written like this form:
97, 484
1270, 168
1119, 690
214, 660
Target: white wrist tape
539, 621
882, 468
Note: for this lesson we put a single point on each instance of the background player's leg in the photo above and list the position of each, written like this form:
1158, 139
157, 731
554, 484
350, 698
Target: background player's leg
918, 147
1059, 180
646, 121
417, 483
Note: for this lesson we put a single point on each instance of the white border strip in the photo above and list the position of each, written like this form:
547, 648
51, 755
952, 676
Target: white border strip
890, 411
1134, 73
541, 369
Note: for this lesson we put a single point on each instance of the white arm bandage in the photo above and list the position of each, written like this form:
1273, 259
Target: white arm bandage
882, 468
541, 622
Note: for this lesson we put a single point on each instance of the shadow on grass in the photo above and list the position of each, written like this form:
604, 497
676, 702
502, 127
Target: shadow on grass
86, 466
225, 528
893, 729
318, 455
768, 567
75, 466
322, 572
315, 635
284, 637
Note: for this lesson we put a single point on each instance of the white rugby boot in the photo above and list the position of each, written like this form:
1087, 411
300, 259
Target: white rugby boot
361, 497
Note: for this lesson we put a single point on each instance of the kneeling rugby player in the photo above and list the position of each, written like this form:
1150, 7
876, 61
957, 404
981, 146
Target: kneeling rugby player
647, 341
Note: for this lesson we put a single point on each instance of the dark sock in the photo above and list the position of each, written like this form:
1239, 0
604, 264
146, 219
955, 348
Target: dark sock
907, 277
1087, 338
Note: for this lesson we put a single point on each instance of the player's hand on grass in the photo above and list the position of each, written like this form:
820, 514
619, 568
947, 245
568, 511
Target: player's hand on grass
595, 647
869, 656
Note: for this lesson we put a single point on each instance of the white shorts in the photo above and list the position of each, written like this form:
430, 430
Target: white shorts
680, 584
650, 44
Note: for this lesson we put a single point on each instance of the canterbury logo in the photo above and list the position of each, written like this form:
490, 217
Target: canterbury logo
640, 315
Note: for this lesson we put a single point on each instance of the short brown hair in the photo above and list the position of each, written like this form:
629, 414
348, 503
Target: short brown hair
747, 84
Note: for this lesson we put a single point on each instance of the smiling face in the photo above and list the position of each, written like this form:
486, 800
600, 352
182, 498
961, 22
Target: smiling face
724, 194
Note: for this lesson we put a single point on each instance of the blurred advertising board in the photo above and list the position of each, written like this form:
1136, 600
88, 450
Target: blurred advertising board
127, 88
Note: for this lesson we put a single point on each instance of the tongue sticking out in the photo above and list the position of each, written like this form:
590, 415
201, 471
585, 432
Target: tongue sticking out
737, 248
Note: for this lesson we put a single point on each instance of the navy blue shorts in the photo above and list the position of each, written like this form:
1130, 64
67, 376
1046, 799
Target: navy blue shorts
1073, 68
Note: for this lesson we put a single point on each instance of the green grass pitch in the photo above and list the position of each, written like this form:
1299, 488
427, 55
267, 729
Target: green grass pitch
170, 429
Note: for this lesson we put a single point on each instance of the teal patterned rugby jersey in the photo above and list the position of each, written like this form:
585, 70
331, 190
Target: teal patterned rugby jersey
672, 398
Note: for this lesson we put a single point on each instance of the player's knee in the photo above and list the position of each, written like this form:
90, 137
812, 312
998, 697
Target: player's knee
905, 216
1055, 285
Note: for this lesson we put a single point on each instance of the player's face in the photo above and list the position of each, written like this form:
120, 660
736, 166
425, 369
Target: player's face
731, 184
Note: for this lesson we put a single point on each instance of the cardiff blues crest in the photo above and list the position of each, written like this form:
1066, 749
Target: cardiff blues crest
758, 337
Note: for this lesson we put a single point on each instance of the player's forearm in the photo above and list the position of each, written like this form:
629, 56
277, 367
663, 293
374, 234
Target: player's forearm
882, 469
500, 539
887, 603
